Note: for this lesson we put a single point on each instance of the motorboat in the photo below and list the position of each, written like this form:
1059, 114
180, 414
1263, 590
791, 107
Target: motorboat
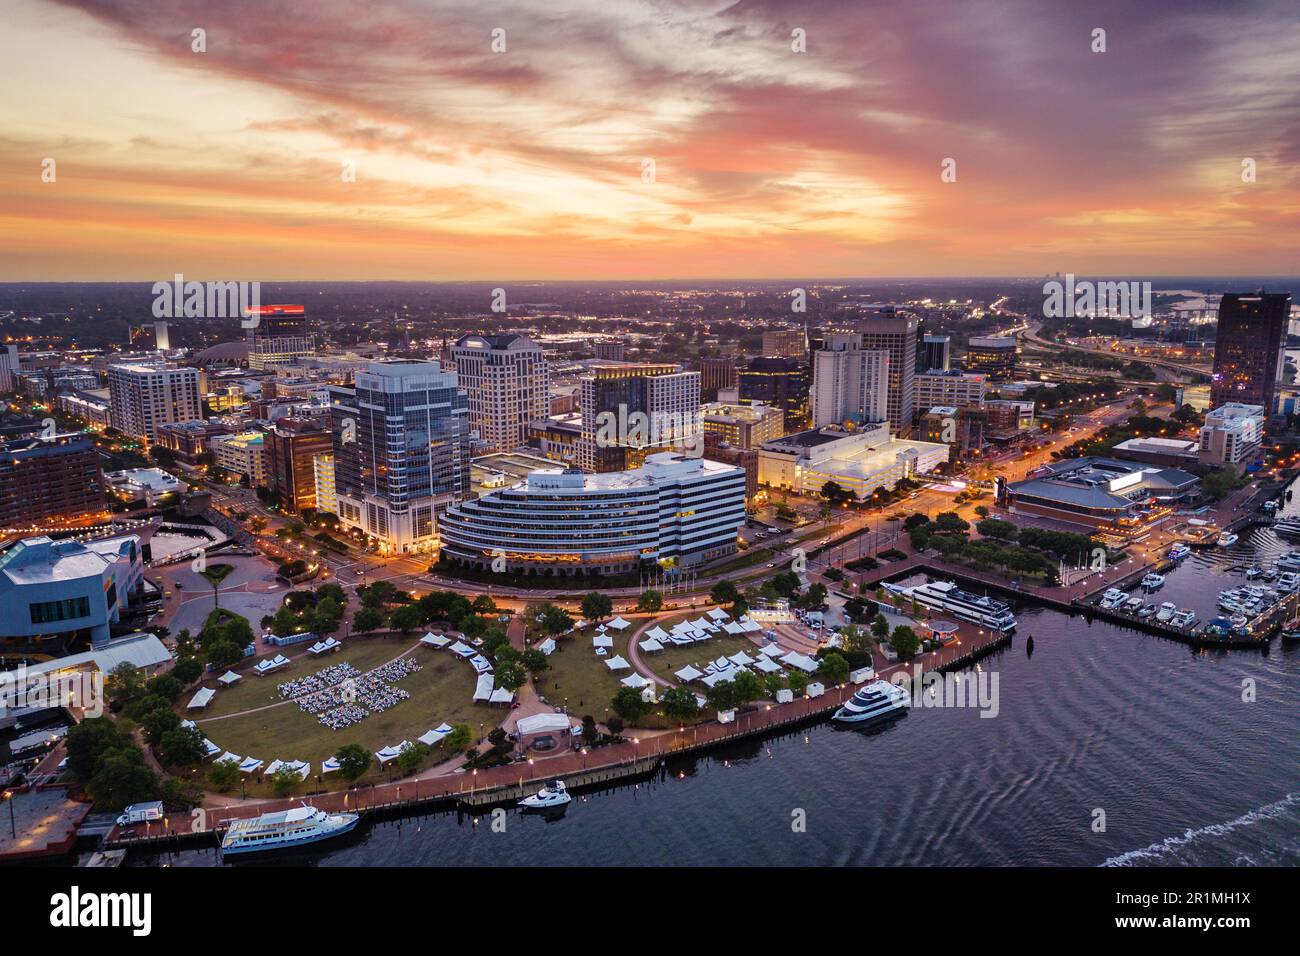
1289, 527
1253, 572
1153, 581
1133, 605
1166, 612
1269, 573
1113, 598
1288, 582
1227, 539
1147, 610
1183, 618
1179, 551
873, 701
554, 794
1289, 561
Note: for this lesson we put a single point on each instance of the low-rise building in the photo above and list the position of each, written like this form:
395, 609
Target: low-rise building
190, 440
1099, 492
51, 482
951, 388
52, 593
89, 406
995, 355
147, 483
1162, 452
862, 461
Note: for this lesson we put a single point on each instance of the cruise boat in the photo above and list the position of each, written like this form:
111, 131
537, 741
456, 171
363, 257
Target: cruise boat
1179, 551
873, 701
1184, 618
975, 608
1153, 581
285, 828
554, 794
1166, 612
1227, 539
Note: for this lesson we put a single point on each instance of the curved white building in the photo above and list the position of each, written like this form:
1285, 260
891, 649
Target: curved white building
673, 508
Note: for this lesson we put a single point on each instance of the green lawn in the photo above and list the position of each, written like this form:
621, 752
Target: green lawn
216, 573
676, 656
363, 653
576, 673
440, 691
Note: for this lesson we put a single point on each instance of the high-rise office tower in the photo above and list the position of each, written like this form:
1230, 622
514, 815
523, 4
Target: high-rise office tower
1248, 355
782, 382
9, 367
401, 451
785, 343
936, 353
508, 384
716, 372
849, 384
280, 334
143, 398
630, 411
897, 335
608, 350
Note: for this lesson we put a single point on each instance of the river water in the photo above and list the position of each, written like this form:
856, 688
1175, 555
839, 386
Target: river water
1100, 719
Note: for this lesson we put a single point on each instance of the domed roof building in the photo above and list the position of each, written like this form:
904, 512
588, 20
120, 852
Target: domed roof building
224, 353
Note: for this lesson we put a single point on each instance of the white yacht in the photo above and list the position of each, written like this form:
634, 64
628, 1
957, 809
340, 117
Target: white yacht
285, 828
1179, 551
873, 701
1153, 581
1253, 572
975, 608
1167, 611
1288, 582
1269, 573
1147, 610
1184, 618
1227, 539
1289, 561
554, 794
1113, 598
1133, 605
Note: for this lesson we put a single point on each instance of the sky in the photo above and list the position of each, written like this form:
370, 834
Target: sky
620, 139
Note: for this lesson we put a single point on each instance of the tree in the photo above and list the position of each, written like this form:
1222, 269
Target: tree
88, 741
997, 528
165, 686
224, 775
122, 777
905, 641
157, 723
284, 781
224, 654
1218, 483
367, 619
411, 757
354, 760
511, 675
950, 521
182, 747
746, 686
459, 738
327, 616
589, 732
596, 606
679, 704
798, 683
535, 661
483, 604
835, 494
378, 594
880, 627
855, 639
914, 521
124, 682
982, 511
785, 583
650, 601
404, 619
834, 669
724, 592
721, 696
629, 705
187, 670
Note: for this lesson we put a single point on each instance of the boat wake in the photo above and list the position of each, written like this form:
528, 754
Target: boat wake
1193, 845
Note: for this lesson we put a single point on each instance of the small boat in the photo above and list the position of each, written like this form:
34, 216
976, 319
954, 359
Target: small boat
1153, 581
285, 828
1269, 573
1148, 610
554, 794
1184, 618
1167, 611
1227, 539
1253, 572
1288, 582
873, 701
1178, 552
1291, 633
1113, 598
1133, 605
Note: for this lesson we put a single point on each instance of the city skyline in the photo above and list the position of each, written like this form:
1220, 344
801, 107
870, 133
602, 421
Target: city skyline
527, 164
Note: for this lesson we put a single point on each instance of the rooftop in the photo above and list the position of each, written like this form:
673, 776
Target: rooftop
42, 560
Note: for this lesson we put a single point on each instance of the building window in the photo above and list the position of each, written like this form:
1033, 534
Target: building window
48, 612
